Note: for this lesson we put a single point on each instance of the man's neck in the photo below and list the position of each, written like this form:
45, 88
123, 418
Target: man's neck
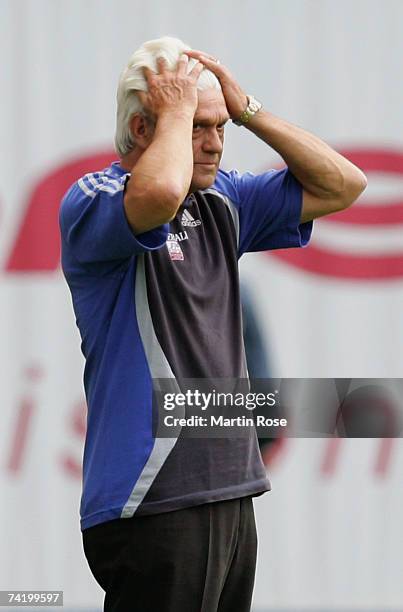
128, 161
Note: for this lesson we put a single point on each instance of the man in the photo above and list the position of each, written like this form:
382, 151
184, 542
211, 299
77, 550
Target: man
150, 248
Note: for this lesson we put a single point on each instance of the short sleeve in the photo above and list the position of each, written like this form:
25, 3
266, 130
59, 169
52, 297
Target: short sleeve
269, 208
94, 225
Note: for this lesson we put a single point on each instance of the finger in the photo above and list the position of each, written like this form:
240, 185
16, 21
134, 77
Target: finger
162, 65
196, 70
182, 64
214, 67
212, 64
196, 54
147, 72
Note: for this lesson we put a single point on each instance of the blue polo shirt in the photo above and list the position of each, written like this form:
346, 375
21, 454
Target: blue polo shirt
165, 304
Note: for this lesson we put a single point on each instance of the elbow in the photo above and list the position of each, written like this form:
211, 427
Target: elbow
169, 198
152, 204
353, 186
357, 185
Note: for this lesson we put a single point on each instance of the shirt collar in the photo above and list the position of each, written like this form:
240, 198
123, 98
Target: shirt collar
117, 169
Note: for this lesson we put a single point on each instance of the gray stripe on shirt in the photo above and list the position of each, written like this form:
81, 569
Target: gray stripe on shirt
159, 368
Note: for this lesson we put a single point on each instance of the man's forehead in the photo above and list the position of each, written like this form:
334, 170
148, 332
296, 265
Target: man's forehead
211, 104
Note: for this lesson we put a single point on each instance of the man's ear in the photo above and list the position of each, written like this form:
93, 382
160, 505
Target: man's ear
142, 129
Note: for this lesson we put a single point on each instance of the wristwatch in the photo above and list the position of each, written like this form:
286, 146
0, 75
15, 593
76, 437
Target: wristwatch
253, 107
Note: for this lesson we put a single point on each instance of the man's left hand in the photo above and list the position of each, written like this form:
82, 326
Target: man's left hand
235, 99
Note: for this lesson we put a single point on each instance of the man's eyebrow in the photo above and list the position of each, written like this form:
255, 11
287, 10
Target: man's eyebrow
206, 121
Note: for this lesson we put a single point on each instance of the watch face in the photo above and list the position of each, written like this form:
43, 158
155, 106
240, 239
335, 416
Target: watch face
254, 106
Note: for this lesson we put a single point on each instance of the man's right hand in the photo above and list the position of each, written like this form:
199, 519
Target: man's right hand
171, 91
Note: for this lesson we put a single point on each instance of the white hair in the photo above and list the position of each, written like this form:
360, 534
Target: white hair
132, 80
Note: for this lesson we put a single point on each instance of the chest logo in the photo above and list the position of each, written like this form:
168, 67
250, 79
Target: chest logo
188, 221
173, 246
174, 250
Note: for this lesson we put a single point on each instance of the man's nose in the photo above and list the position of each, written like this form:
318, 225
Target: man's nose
212, 141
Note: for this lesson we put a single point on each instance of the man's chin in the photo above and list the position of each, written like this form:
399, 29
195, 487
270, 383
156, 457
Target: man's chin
202, 182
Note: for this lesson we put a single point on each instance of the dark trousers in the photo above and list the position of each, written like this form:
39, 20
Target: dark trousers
200, 559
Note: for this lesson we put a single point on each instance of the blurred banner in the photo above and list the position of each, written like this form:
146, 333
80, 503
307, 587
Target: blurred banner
330, 531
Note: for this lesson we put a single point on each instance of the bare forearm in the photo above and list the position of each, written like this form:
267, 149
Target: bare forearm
320, 169
161, 176
162, 161
330, 182
167, 164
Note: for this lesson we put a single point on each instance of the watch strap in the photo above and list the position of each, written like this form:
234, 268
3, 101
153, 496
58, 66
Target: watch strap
253, 107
